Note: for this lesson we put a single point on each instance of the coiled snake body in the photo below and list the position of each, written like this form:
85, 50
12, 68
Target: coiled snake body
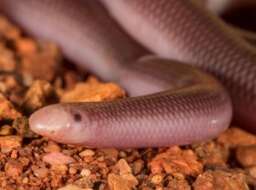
117, 40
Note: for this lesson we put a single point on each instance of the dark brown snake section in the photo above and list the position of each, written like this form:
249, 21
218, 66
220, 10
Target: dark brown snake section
195, 107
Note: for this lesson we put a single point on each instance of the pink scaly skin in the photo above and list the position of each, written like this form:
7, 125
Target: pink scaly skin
194, 108
188, 33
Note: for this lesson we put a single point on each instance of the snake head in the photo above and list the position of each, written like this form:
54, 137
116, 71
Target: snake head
62, 123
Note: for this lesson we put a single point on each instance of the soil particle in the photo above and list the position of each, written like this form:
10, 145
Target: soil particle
221, 180
246, 155
93, 90
176, 160
55, 158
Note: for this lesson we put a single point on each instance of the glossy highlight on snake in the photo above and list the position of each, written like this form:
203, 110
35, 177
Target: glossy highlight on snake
188, 72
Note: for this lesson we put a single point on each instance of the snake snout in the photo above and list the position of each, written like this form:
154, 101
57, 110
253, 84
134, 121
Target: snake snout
58, 122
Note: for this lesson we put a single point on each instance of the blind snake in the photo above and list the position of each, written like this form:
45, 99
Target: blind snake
149, 47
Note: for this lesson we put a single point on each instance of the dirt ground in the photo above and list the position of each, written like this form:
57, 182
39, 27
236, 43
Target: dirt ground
34, 74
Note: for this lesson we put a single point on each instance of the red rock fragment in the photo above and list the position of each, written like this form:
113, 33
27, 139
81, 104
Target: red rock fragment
87, 152
56, 158
137, 166
221, 180
117, 182
157, 179
212, 153
124, 179
52, 147
11, 88
7, 110
26, 46
59, 169
8, 30
7, 143
123, 167
47, 56
178, 182
38, 95
110, 153
176, 160
40, 172
234, 137
9, 84
13, 168
93, 90
246, 155
7, 59
6, 130
73, 187
85, 173
21, 126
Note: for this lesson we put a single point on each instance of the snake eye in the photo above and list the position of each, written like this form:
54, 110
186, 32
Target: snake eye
77, 117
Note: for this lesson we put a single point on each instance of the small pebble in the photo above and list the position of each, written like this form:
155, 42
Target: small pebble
71, 187
93, 91
52, 147
38, 95
14, 154
25, 180
6, 130
137, 166
226, 180
157, 179
123, 167
85, 173
234, 137
8, 143
56, 158
124, 180
60, 169
7, 110
40, 172
13, 168
252, 171
122, 154
176, 160
101, 158
72, 171
246, 155
159, 188
110, 153
87, 152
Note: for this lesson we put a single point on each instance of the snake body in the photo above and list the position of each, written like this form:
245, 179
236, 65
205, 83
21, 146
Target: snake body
194, 107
